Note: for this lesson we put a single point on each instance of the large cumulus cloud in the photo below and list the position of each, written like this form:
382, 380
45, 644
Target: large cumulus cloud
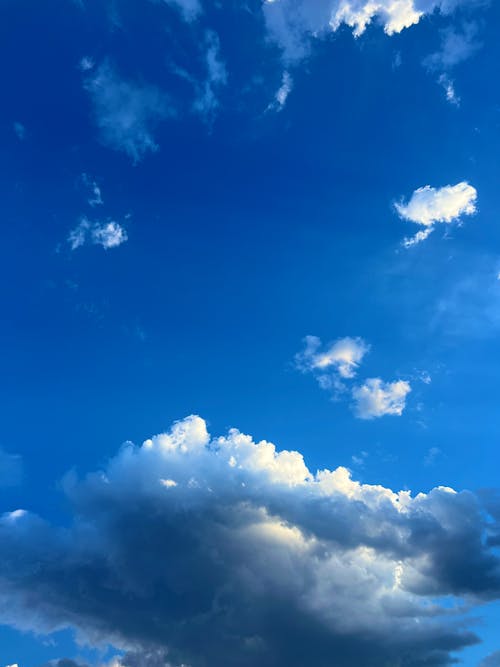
208, 552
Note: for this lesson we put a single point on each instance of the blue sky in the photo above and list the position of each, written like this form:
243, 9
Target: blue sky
281, 217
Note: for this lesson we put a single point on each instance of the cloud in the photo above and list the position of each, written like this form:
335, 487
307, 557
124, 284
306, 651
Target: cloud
207, 102
492, 660
20, 131
106, 234
343, 356
376, 398
456, 47
428, 206
95, 198
250, 559
449, 89
86, 63
190, 9
11, 469
282, 93
126, 113
293, 23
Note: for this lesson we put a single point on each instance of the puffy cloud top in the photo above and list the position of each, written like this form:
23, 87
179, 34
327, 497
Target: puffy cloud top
247, 557
375, 398
292, 22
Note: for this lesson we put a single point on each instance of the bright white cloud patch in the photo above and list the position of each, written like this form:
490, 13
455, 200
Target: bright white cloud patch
106, 234
292, 23
126, 113
428, 206
376, 398
249, 558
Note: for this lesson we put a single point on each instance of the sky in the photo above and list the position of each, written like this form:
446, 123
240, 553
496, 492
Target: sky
249, 354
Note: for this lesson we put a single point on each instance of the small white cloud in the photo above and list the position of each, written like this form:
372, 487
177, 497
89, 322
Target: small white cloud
109, 235
126, 112
95, 198
342, 356
282, 93
376, 398
449, 90
428, 206
20, 130
106, 234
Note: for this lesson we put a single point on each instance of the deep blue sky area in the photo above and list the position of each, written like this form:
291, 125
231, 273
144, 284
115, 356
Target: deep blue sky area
244, 221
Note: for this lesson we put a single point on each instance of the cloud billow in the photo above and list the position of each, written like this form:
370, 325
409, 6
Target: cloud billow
202, 552
429, 206
292, 24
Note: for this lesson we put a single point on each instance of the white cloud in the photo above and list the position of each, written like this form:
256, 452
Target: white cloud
126, 112
340, 358
376, 398
428, 206
456, 46
249, 558
283, 92
106, 234
292, 23
95, 198
449, 90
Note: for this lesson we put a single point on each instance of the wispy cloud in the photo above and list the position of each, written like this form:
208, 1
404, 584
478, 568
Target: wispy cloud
19, 130
207, 97
11, 469
190, 9
126, 112
342, 357
95, 196
108, 234
428, 206
249, 557
457, 45
281, 95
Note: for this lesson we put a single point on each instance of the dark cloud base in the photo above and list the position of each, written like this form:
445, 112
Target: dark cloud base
199, 552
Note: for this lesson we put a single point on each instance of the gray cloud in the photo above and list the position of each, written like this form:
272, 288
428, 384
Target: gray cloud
203, 552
